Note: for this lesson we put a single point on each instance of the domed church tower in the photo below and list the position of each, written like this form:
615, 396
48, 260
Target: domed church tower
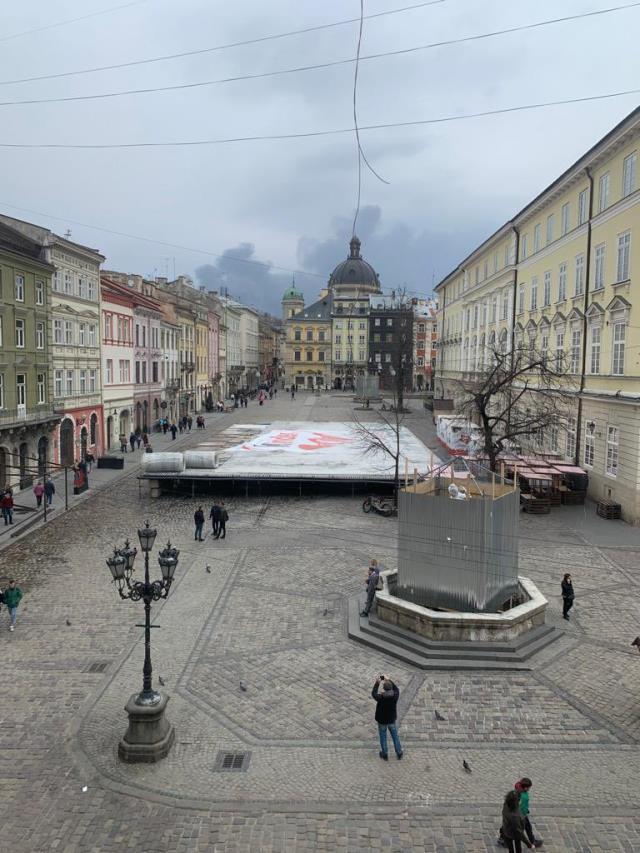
354, 273
292, 301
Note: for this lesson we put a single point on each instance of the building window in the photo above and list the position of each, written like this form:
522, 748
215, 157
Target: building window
297, 335
537, 237
579, 280
20, 334
83, 381
387, 357
19, 288
338, 339
477, 274
321, 356
565, 218
553, 438
1, 390
137, 372
546, 296
309, 334
92, 381
338, 355
389, 321
1, 331
57, 281
92, 290
68, 332
583, 207
58, 337
144, 371
619, 333
595, 343
559, 349
296, 357
68, 282
505, 306
589, 443
629, 174
494, 309
309, 355
389, 338
521, 299
82, 287
109, 372
321, 337
574, 363
624, 247
612, 451
154, 371
523, 247
495, 262
81, 334
544, 348
571, 438
124, 369
506, 255
376, 322
361, 339
108, 327
603, 192
57, 384
562, 283
21, 390
92, 335
39, 292
551, 222
39, 335
69, 389
598, 271
534, 294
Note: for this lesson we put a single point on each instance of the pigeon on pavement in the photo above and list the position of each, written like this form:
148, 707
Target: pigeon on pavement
160, 679
68, 623
207, 569
466, 766
243, 687
439, 716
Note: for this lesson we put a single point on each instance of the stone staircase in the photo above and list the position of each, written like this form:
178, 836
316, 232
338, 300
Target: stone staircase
424, 653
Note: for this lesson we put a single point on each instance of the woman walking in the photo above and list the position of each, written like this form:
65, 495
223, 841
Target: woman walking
513, 824
567, 596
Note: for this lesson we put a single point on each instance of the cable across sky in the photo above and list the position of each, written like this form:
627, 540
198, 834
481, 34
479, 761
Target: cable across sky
314, 67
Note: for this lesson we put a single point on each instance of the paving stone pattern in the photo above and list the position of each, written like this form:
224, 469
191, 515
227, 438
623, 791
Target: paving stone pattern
272, 614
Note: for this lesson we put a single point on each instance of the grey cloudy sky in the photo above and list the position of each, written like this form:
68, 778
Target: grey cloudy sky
290, 202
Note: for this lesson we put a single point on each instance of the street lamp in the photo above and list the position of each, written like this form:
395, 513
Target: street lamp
150, 735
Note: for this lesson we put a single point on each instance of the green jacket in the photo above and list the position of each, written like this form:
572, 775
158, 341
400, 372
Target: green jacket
12, 596
524, 803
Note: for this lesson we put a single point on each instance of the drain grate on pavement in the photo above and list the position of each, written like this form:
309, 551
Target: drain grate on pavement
232, 761
97, 666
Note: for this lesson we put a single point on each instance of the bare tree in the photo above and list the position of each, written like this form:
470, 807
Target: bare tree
516, 398
373, 438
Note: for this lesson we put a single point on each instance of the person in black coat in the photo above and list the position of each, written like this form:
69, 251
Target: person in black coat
567, 596
387, 714
214, 515
198, 520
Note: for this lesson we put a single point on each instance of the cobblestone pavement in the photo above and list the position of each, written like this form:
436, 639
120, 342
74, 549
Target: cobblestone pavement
272, 614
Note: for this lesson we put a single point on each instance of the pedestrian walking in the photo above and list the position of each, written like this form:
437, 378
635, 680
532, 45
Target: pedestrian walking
214, 515
373, 576
12, 597
138, 438
224, 517
522, 788
38, 491
132, 441
198, 518
567, 595
293, 392
387, 714
174, 430
512, 829
189, 423
50, 490
6, 503
165, 426
145, 439
123, 443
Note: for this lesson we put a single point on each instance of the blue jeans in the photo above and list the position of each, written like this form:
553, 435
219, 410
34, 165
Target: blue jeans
382, 731
13, 612
7, 514
199, 530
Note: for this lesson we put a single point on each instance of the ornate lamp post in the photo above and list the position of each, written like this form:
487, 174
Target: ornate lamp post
150, 735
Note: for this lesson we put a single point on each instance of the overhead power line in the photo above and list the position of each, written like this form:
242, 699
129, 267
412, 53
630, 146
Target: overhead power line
161, 242
228, 46
319, 66
72, 20
315, 133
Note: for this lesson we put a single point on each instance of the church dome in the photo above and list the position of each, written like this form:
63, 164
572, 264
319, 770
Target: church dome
355, 271
292, 293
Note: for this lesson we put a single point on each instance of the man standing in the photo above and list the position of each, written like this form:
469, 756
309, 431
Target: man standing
372, 585
132, 440
12, 597
174, 430
7, 507
224, 517
214, 515
386, 714
198, 518
50, 490
567, 596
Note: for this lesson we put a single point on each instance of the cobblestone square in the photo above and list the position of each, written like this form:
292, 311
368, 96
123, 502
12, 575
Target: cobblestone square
271, 613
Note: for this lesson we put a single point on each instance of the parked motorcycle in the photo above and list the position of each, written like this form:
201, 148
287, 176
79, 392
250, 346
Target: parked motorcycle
383, 506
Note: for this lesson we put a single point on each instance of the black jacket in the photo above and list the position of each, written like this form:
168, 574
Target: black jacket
512, 825
198, 516
215, 512
567, 589
386, 712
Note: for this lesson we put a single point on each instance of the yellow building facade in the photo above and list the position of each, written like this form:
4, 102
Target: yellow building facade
563, 276
308, 346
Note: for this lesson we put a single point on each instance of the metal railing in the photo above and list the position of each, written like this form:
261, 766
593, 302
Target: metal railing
22, 415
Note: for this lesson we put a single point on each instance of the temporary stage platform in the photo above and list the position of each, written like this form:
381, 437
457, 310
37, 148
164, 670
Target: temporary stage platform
297, 452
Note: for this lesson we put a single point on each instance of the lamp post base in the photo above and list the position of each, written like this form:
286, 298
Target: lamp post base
150, 735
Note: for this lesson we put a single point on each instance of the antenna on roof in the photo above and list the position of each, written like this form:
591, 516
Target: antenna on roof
67, 234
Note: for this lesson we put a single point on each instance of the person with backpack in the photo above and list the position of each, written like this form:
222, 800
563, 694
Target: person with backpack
387, 714
6, 503
12, 597
224, 517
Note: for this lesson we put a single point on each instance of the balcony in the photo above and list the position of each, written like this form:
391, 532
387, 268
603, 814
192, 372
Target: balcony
21, 416
187, 366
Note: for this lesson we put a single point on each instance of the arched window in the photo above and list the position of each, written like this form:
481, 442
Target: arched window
94, 429
503, 341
